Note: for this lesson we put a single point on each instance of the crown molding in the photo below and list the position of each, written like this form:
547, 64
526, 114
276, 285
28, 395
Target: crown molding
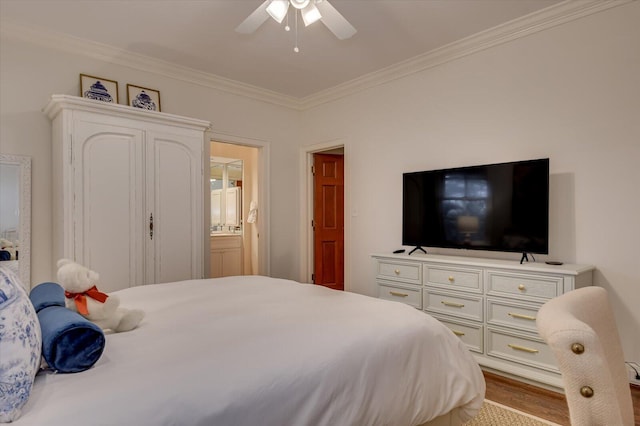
549, 17
106, 53
58, 103
552, 16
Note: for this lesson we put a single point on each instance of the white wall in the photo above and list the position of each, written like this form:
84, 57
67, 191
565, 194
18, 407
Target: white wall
570, 93
30, 74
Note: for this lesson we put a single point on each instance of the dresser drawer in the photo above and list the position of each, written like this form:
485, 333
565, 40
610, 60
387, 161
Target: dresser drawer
519, 285
400, 271
529, 351
465, 279
462, 306
521, 316
405, 294
470, 334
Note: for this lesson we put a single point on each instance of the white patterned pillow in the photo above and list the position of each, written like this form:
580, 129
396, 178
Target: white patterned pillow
20, 346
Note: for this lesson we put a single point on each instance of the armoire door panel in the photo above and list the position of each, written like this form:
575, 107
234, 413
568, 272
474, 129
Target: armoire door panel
174, 166
109, 182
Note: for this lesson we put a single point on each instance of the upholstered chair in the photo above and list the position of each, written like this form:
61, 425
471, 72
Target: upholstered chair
580, 328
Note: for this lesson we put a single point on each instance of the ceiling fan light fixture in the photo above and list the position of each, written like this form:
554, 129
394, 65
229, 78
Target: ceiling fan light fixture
310, 14
277, 9
300, 4
310, 11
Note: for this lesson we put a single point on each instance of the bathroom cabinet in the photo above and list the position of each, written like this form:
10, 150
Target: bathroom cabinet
226, 255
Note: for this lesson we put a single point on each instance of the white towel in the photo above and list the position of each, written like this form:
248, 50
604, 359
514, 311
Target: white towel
253, 212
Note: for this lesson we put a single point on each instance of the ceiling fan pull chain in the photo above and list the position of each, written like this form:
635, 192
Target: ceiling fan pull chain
296, 49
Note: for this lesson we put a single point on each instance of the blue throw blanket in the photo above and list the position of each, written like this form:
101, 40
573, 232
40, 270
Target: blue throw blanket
70, 342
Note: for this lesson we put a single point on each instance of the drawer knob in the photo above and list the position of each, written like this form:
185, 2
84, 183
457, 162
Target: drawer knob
395, 293
397, 271
458, 333
521, 287
586, 391
451, 279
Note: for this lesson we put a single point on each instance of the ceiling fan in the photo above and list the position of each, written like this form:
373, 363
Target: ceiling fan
311, 11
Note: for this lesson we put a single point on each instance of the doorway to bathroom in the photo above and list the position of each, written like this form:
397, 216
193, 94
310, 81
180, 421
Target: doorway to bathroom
234, 201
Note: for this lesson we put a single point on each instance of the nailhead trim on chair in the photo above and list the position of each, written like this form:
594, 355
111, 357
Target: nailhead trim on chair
577, 348
586, 391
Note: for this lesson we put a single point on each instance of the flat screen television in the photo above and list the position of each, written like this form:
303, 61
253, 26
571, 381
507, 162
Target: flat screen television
495, 207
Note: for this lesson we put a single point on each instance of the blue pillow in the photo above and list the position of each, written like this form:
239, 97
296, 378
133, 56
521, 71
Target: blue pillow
45, 295
70, 342
20, 346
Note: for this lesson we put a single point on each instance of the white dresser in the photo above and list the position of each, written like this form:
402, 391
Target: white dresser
491, 305
128, 191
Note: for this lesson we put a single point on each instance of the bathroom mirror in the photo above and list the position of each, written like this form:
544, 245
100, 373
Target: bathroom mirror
15, 215
226, 198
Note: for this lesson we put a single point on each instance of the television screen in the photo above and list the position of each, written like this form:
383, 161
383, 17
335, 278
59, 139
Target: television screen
497, 207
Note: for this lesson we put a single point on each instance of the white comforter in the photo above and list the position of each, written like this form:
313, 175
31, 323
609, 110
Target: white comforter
261, 351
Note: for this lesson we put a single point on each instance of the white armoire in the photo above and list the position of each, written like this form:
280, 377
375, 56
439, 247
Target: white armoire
128, 190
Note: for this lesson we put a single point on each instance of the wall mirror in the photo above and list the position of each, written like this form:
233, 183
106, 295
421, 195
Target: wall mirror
15, 215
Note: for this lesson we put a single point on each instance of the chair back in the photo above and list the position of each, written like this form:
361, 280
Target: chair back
580, 328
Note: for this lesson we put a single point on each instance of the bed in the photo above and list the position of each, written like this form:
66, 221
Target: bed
263, 351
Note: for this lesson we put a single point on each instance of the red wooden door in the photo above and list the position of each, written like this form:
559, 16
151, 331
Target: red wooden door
328, 220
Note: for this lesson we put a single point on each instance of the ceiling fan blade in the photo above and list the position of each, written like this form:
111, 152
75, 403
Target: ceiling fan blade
335, 21
253, 21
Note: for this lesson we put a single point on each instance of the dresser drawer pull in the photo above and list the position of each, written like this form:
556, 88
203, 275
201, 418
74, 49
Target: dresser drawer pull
452, 304
523, 349
397, 271
451, 278
395, 293
458, 333
527, 317
521, 287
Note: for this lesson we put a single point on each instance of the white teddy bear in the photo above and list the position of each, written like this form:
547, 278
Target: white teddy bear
82, 295
10, 247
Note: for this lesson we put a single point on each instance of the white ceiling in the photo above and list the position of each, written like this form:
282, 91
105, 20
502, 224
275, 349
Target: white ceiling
200, 35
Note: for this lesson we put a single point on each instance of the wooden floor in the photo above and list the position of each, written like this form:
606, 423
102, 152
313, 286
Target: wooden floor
540, 402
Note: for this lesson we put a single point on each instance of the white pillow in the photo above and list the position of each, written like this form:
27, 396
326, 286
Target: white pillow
20, 346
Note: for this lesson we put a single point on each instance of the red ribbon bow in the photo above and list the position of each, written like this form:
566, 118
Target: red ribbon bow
81, 298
